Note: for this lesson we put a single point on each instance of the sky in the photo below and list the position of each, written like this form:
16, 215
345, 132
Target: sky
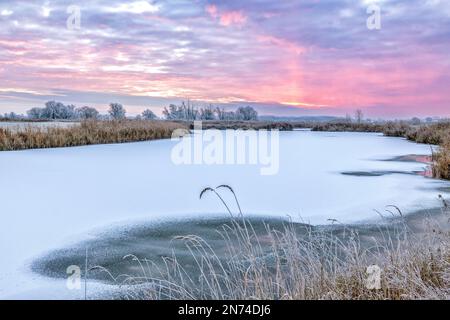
296, 57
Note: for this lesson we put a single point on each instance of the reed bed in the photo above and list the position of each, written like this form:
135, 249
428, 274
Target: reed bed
345, 126
441, 162
433, 134
282, 264
87, 133
243, 125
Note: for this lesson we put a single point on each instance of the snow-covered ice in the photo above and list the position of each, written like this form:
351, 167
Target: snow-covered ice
54, 197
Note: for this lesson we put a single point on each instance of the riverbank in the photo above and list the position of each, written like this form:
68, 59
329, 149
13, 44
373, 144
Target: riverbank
85, 133
29, 135
243, 125
432, 134
405, 258
35, 135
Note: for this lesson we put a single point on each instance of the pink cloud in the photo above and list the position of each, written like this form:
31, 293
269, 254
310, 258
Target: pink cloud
212, 10
227, 63
282, 43
233, 18
227, 18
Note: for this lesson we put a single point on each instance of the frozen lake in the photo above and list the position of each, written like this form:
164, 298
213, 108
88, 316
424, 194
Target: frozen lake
56, 197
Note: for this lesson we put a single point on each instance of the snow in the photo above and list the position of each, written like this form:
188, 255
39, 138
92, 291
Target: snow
20, 126
51, 198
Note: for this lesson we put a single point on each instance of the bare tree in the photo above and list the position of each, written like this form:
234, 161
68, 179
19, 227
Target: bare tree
348, 118
359, 116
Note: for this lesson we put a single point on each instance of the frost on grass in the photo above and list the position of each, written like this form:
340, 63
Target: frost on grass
285, 260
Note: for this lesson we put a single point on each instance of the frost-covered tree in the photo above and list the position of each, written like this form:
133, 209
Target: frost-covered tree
207, 113
12, 116
53, 110
220, 113
117, 111
190, 112
148, 115
172, 113
246, 113
416, 121
68, 112
57, 110
35, 113
183, 112
230, 115
87, 113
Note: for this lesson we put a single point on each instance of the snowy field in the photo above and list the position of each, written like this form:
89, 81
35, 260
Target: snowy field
55, 197
18, 126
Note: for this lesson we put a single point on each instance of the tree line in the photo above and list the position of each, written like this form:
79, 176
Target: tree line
54, 110
186, 111
58, 111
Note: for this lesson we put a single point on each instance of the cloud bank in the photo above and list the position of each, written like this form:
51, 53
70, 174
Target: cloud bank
312, 56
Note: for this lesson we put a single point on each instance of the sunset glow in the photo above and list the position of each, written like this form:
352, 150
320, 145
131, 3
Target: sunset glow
286, 57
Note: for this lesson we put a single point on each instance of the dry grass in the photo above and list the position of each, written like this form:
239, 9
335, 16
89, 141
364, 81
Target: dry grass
345, 126
87, 133
321, 264
435, 134
243, 125
441, 162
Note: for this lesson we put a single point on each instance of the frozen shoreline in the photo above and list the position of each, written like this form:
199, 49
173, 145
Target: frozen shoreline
53, 198
151, 241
